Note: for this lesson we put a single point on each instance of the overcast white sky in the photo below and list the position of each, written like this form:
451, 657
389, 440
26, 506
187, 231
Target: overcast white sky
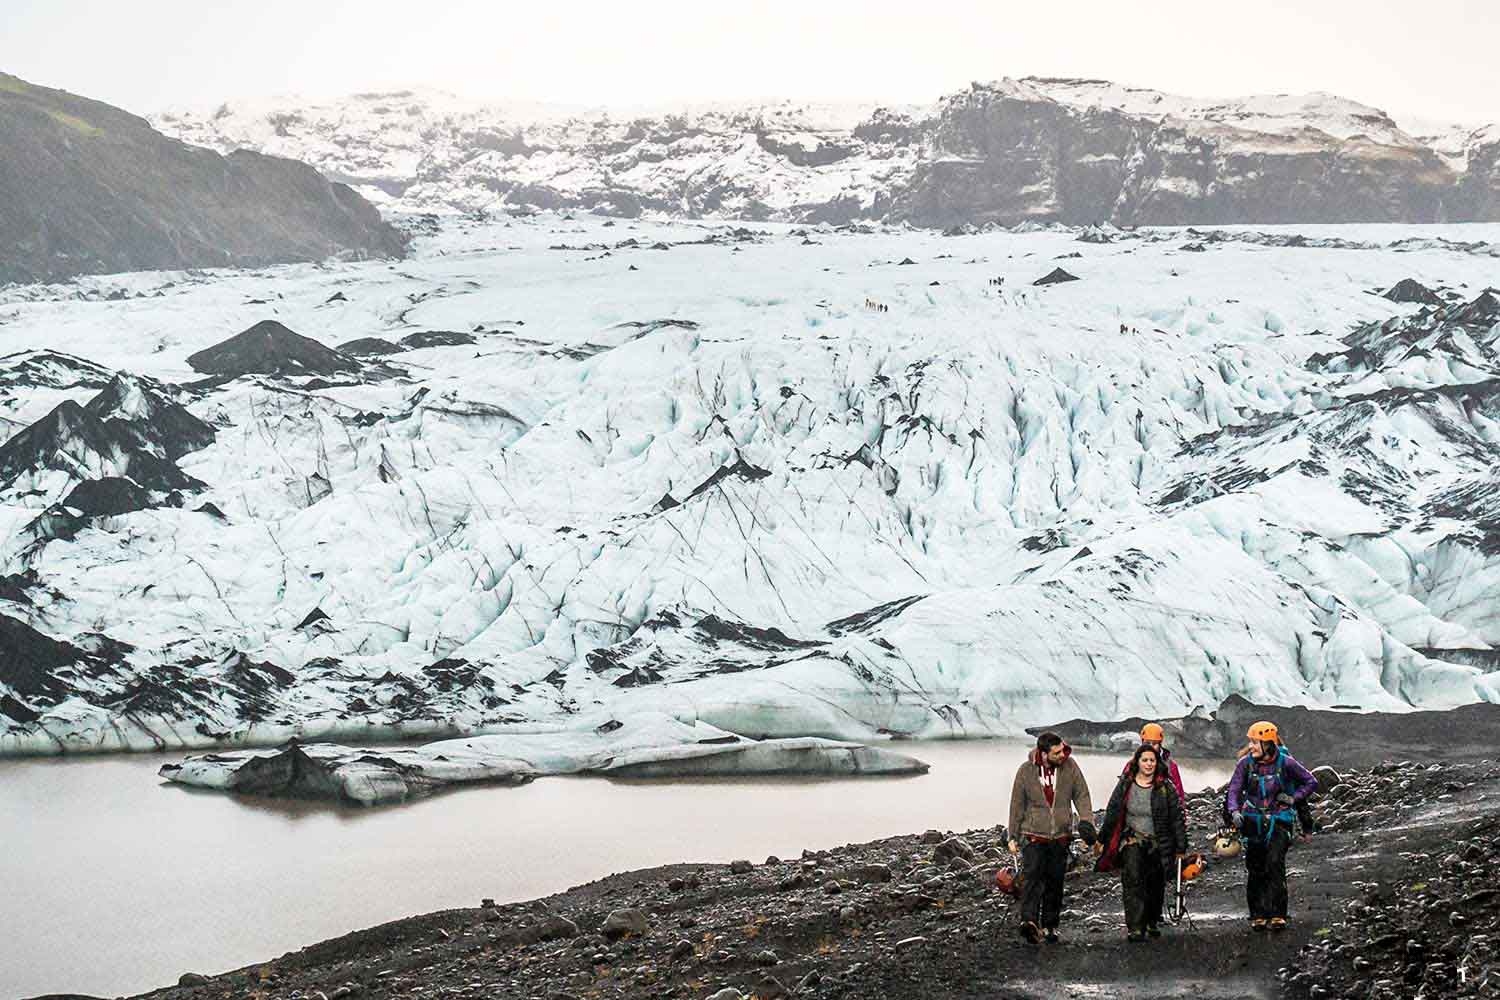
1436, 58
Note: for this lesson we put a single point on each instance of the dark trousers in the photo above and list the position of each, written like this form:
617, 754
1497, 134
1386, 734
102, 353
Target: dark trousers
1143, 885
1045, 866
1265, 868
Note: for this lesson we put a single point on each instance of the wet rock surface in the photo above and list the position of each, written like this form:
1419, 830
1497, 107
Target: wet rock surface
1399, 891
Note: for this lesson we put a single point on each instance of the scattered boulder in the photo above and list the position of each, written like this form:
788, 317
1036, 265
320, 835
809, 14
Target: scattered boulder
1412, 290
1056, 277
554, 927
437, 338
950, 849
268, 348
740, 867
630, 921
192, 979
107, 496
368, 347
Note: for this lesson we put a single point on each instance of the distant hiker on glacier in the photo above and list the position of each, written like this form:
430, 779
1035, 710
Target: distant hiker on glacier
1152, 735
1144, 835
1262, 802
1048, 789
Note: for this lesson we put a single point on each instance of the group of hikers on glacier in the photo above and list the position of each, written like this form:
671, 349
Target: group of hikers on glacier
1144, 831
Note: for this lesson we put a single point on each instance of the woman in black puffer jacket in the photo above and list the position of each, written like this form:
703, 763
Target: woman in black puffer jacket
1143, 835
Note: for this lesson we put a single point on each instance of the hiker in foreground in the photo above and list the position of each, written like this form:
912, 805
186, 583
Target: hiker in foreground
1144, 835
1262, 802
1048, 788
1153, 735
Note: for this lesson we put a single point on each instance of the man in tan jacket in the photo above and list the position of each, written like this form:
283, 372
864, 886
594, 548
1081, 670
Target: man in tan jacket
1048, 788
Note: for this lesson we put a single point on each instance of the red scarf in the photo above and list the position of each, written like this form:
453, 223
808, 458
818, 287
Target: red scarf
1046, 774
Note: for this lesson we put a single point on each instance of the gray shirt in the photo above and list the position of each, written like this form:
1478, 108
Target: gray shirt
1138, 812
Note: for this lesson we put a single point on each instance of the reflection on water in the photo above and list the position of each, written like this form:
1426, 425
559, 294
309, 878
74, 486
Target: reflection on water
113, 882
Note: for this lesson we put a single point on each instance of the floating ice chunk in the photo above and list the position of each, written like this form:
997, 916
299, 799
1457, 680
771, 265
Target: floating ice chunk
656, 746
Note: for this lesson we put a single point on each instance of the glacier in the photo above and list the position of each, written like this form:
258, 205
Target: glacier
760, 477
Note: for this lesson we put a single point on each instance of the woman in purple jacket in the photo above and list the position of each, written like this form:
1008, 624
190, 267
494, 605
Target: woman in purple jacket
1262, 802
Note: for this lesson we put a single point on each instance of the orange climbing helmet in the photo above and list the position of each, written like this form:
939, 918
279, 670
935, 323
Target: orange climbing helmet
1152, 733
1008, 881
1264, 731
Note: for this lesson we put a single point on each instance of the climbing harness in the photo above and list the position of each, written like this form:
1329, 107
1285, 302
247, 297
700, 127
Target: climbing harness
1266, 819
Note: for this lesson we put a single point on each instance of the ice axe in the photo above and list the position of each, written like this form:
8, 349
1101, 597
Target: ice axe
1188, 868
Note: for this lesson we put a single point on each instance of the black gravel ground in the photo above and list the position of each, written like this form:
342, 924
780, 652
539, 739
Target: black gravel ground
1399, 895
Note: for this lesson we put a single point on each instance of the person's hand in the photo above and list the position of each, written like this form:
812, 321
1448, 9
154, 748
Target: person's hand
1098, 847
1086, 832
1285, 799
1238, 818
1015, 848
1181, 855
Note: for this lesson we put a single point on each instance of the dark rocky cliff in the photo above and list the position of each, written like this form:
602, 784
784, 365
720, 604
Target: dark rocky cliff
86, 188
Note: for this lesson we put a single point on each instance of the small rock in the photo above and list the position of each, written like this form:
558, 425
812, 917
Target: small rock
767, 957
682, 949
908, 942
676, 884
932, 837
728, 993
192, 979
741, 867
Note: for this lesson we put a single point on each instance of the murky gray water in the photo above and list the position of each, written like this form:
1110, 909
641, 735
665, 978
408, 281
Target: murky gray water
111, 882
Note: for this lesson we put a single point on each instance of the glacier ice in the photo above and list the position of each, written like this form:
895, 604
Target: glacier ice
648, 746
783, 487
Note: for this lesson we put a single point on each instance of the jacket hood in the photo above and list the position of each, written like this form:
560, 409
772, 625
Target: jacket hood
1035, 757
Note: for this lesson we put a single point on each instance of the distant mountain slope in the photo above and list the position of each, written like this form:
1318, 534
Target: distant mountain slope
1010, 151
86, 188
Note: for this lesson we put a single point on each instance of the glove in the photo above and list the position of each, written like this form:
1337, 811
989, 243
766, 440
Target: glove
1286, 799
1086, 832
1237, 818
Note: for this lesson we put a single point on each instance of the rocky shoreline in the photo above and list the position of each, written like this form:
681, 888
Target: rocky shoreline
1399, 891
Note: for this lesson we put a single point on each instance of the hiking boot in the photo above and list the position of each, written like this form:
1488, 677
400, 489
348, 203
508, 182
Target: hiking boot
1135, 937
1051, 936
1031, 933
1258, 923
1153, 931
1278, 923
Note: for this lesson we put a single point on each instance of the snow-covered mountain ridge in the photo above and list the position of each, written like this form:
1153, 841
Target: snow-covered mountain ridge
1036, 149
554, 472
